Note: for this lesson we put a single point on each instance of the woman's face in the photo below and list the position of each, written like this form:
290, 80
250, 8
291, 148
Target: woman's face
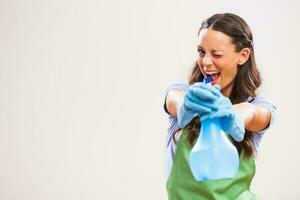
217, 57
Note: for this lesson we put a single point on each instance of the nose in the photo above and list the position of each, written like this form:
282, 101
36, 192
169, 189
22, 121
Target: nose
207, 60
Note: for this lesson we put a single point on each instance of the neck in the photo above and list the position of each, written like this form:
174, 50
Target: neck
226, 91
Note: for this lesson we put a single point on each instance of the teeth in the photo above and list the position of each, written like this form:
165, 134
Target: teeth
211, 73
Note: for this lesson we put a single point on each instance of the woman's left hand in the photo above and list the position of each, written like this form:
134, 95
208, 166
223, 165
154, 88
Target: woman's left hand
231, 122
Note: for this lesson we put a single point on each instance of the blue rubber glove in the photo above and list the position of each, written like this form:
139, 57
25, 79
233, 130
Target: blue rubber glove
197, 102
231, 122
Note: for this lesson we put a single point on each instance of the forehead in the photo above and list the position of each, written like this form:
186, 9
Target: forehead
212, 39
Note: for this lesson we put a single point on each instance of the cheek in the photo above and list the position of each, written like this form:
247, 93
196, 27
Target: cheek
199, 61
226, 65
200, 64
221, 64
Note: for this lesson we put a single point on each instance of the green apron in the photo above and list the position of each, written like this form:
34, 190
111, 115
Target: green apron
181, 184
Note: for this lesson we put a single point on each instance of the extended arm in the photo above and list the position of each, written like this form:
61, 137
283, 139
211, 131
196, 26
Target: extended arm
173, 100
255, 117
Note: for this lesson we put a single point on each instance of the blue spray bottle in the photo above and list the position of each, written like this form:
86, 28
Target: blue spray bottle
213, 156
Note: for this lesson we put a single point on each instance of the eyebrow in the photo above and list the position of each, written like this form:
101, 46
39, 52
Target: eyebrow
214, 50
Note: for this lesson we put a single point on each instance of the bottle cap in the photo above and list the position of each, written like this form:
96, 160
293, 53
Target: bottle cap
207, 79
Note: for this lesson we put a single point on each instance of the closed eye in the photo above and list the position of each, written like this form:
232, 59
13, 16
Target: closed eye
202, 53
217, 56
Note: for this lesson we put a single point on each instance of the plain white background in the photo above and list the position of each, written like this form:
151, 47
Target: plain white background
81, 85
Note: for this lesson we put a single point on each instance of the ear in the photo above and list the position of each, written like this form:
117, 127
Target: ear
244, 56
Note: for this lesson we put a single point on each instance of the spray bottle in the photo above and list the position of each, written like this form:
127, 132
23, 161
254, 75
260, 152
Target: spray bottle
213, 156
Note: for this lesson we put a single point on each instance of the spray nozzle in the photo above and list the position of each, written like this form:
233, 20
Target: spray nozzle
207, 79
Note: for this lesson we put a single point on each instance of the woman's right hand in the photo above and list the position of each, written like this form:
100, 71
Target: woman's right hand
198, 100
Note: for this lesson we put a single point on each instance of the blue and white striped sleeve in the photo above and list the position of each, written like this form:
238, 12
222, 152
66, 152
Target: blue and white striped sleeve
272, 108
173, 125
267, 104
173, 86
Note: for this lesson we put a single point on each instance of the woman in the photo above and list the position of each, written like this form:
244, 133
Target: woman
226, 54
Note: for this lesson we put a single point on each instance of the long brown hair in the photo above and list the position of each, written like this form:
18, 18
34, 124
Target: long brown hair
247, 80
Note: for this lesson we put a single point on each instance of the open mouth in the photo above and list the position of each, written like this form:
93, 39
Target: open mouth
214, 76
